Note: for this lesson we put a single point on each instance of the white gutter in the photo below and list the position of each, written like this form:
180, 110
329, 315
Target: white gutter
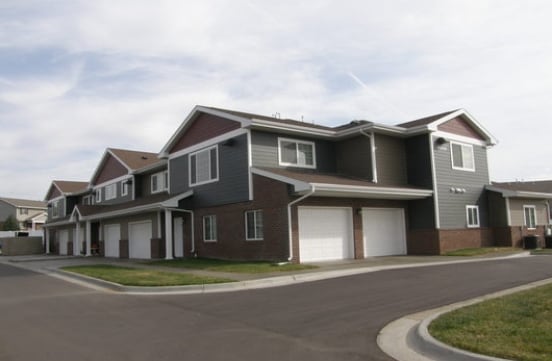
372, 153
192, 221
311, 192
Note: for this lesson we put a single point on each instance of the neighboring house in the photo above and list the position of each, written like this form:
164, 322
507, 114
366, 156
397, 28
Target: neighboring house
30, 214
236, 185
520, 209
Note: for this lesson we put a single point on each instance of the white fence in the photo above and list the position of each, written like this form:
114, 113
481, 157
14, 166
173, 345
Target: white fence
6, 234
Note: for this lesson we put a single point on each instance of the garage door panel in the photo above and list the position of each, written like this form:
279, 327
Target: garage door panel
384, 231
112, 236
325, 234
140, 240
63, 240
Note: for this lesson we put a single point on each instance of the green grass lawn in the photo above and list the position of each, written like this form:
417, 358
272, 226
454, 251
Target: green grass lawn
483, 251
517, 327
231, 266
142, 277
542, 251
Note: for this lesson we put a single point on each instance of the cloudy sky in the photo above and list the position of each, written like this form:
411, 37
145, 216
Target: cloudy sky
79, 76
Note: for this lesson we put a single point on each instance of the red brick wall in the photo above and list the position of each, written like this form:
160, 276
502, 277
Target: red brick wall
451, 240
513, 236
425, 241
204, 127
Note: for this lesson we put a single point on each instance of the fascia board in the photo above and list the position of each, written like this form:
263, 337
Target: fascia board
508, 193
491, 140
298, 185
374, 190
164, 153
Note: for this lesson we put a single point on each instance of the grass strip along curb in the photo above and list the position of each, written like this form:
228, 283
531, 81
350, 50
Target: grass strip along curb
127, 276
514, 327
231, 266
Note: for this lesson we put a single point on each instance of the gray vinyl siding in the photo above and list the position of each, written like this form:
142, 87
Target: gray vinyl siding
119, 198
354, 157
452, 206
233, 183
421, 213
498, 217
61, 203
265, 151
6, 210
390, 160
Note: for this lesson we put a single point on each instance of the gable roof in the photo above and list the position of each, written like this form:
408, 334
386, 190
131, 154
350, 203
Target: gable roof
529, 189
67, 187
24, 203
426, 120
131, 160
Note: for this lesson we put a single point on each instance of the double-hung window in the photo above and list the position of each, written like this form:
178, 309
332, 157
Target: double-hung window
55, 209
462, 156
98, 195
204, 166
472, 216
254, 225
111, 191
296, 153
210, 228
159, 182
124, 187
530, 215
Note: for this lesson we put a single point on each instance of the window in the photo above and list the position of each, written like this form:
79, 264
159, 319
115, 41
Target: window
98, 195
254, 225
124, 187
210, 228
296, 153
111, 191
55, 209
159, 182
86, 200
530, 213
472, 215
462, 156
23, 211
204, 166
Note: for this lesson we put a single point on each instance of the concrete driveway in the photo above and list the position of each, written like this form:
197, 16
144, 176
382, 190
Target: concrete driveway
44, 318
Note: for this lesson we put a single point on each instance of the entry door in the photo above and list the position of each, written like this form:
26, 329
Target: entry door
112, 236
178, 236
63, 239
384, 231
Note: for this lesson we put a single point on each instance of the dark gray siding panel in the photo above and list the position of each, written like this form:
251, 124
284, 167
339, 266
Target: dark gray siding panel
6, 210
265, 151
498, 216
390, 160
452, 204
418, 162
354, 157
421, 214
233, 183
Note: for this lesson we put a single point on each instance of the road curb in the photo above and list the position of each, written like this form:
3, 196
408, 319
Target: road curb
408, 338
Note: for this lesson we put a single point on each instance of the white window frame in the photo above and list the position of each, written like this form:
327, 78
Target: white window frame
211, 235
87, 200
110, 191
124, 188
98, 195
525, 220
55, 209
162, 181
193, 182
297, 142
463, 147
256, 236
471, 209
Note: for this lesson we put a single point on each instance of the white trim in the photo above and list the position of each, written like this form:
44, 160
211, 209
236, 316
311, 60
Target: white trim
462, 147
111, 191
376, 192
468, 208
250, 164
298, 185
207, 143
254, 211
102, 163
211, 179
534, 208
470, 119
434, 180
214, 216
507, 193
159, 234
460, 138
161, 177
508, 212
98, 198
124, 186
297, 142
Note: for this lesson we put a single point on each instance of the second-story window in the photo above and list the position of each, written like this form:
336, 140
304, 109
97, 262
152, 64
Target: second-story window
110, 191
159, 182
462, 156
23, 211
296, 153
124, 187
55, 209
98, 195
204, 166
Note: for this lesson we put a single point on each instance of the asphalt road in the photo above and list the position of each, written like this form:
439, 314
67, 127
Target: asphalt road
44, 318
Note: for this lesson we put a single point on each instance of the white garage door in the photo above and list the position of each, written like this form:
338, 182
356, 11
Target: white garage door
112, 235
63, 238
384, 231
325, 234
139, 235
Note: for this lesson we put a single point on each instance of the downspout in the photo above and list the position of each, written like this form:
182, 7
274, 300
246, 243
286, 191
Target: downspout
310, 193
372, 153
192, 228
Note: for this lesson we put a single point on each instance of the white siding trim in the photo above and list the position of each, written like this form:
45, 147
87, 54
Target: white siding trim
208, 143
250, 164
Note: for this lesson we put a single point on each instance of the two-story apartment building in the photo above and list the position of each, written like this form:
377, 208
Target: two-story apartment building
236, 185
29, 214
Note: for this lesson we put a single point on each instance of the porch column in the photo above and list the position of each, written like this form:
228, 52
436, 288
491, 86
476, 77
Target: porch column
88, 237
168, 235
76, 241
47, 237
